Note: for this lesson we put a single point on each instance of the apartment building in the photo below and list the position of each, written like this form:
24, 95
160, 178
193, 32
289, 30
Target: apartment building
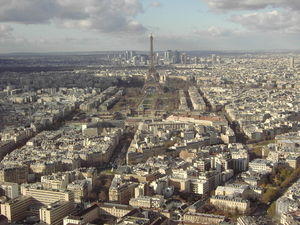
86, 216
10, 190
153, 202
46, 197
17, 209
54, 213
14, 174
121, 193
80, 190
111, 211
230, 203
201, 218
260, 166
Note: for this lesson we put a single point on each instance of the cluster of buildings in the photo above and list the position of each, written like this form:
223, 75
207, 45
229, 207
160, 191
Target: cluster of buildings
48, 201
47, 61
56, 151
287, 206
192, 150
22, 120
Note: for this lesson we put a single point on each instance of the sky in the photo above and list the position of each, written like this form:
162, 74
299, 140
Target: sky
120, 25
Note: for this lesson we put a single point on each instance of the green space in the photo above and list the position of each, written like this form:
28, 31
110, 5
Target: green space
169, 100
150, 96
147, 106
147, 102
276, 183
109, 172
263, 143
257, 147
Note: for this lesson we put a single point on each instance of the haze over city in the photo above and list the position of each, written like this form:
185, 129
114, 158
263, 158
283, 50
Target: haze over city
110, 25
116, 112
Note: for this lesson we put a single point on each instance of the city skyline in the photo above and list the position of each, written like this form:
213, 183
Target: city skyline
68, 26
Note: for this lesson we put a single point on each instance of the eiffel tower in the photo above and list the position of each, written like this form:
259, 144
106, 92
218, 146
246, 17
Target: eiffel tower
152, 76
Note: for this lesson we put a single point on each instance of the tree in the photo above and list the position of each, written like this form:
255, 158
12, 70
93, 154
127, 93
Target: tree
291, 178
190, 199
258, 152
236, 211
285, 173
103, 196
270, 195
272, 209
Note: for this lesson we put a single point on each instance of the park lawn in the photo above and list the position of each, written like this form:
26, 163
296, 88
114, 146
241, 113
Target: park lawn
147, 102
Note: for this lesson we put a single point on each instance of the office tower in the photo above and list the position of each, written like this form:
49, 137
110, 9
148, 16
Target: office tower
177, 57
292, 62
143, 59
196, 60
168, 54
135, 60
127, 55
156, 58
183, 58
132, 54
213, 58
173, 59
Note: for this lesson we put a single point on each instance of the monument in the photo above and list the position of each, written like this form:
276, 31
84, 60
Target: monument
152, 76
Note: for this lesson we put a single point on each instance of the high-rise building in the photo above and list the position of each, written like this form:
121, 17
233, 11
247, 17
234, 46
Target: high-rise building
127, 55
183, 58
132, 53
10, 190
156, 58
143, 59
168, 54
213, 58
292, 61
55, 212
135, 60
177, 56
196, 60
17, 208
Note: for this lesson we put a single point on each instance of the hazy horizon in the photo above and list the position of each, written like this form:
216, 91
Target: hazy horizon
118, 25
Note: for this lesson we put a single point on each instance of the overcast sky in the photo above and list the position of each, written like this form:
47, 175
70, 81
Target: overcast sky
104, 25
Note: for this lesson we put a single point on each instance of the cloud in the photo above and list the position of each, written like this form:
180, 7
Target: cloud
102, 15
223, 6
286, 20
27, 11
5, 30
217, 32
155, 4
283, 22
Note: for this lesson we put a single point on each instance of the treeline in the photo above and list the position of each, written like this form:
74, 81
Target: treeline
283, 179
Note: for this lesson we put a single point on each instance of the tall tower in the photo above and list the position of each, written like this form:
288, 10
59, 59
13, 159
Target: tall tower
152, 76
152, 71
292, 62
151, 54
